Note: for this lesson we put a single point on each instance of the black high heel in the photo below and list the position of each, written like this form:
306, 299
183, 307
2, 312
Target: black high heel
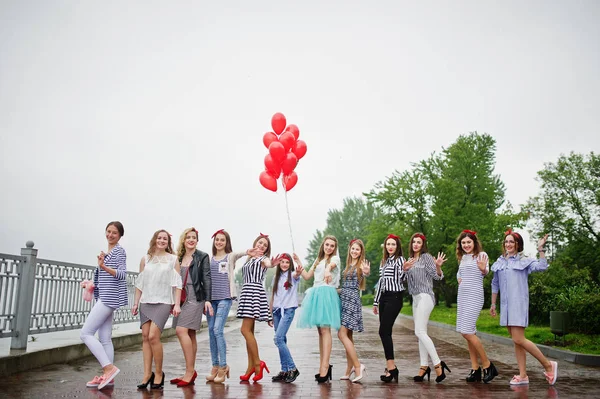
489, 373
393, 375
319, 374
442, 376
321, 380
158, 386
427, 372
474, 375
145, 384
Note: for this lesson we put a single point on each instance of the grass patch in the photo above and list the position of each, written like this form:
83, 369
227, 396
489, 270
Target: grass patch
589, 344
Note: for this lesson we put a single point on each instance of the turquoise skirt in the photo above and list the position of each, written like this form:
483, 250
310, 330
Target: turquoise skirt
320, 308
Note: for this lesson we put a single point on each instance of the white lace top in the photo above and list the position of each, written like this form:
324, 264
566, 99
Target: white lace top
159, 280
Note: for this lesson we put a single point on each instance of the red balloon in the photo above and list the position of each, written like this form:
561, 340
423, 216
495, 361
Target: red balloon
289, 181
300, 149
289, 163
278, 122
268, 138
273, 168
293, 129
268, 181
277, 151
288, 141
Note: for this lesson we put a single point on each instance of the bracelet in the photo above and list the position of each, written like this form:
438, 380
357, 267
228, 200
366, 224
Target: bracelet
493, 306
541, 250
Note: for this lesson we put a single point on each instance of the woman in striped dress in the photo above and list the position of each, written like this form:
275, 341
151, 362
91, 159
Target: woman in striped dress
388, 300
353, 282
196, 276
110, 293
157, 295
422, 269
474, 265
253, 304
222, 268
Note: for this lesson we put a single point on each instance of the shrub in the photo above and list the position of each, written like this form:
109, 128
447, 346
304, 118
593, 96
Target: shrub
367, 299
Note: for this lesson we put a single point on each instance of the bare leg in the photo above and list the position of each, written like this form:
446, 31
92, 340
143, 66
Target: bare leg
188, 352
351, 357
518, 337
146, 351
476, 349
157, 351
326, 354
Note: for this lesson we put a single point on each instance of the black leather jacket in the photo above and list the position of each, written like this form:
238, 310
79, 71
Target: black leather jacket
200, 275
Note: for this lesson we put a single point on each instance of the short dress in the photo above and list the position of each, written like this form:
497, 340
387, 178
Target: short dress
321, 305
158, 282
470, 294
352, 317
191, 311
253, 302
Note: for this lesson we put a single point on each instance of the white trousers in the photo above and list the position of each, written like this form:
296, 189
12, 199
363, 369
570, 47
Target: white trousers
422, 307
100, 319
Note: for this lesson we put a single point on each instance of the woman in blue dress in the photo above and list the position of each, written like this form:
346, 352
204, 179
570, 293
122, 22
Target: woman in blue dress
511, 272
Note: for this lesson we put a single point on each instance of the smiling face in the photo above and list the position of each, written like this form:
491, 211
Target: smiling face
162, 240
510, 245
390, 246
329, 247
284, 264
220, 241
191, 240
417, 244
467, 245
112, 235
355, 251
262, 244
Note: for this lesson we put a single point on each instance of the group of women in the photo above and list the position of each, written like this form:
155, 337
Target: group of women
188, 283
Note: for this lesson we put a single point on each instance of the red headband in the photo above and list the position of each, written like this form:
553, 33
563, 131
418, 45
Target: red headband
509, 231
218, 232
470, 232
194, 230
264, 235
353, 241
421, 236
392, 236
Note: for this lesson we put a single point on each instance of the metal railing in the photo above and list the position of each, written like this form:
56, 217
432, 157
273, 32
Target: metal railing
40, 296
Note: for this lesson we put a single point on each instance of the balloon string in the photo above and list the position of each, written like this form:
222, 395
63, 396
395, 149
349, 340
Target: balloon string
287, 208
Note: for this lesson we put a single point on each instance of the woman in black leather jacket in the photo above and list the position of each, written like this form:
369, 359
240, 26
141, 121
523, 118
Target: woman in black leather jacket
195, 274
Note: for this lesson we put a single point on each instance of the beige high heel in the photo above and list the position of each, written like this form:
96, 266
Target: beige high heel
213, 373
223, 371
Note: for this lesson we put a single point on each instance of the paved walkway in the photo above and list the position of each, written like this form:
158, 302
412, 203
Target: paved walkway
68, 380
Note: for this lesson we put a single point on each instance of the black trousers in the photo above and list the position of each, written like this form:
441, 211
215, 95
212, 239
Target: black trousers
390, 305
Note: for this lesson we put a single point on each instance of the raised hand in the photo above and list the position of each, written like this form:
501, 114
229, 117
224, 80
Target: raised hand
254, 252
276, 260
299, 269
366, 267
101, 258
410, 262
542, 242
482, 262
441, 258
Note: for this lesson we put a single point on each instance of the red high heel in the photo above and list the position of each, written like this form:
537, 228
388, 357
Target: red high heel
258, 376
246, 377
183, 383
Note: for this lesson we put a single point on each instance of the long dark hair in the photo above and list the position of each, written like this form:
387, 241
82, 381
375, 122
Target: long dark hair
278, 273
423, 250
396, 254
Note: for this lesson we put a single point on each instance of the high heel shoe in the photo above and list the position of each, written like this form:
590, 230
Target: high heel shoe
184, 383
388, 378
321, 380
346, 377
258, 376
144, 385
246, 377
210, 377
319, 374
363, 371
489, 373
421, 377
223, 371
158, 386
474, 375
442, 376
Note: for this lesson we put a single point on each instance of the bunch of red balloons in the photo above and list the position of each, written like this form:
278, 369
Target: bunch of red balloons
285, 150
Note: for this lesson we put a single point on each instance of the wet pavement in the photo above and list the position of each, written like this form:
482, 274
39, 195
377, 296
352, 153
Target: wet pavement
68, 380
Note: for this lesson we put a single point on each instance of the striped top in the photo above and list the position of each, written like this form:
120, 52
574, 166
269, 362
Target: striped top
391, 276
421, 276
219, 276
253, 270
112, 291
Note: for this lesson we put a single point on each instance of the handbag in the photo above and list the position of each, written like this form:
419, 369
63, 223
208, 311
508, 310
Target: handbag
183, 291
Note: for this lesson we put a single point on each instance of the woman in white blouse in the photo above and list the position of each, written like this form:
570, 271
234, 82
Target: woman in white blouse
157, 295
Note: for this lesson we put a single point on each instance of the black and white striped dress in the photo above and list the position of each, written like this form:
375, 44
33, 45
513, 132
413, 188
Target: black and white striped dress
352, 317
470, 294
253, 298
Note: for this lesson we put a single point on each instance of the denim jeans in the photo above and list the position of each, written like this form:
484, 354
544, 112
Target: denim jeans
216, 324
282, 325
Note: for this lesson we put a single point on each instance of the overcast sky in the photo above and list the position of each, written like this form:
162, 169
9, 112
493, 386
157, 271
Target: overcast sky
152, 112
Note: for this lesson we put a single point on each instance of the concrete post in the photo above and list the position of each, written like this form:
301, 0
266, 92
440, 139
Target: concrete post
24, 297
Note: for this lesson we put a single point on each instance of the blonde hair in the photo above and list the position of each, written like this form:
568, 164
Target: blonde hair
350, 267
181, 245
